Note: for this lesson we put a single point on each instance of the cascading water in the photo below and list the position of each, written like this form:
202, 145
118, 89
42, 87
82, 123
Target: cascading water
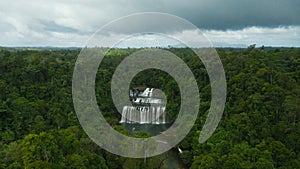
148, 107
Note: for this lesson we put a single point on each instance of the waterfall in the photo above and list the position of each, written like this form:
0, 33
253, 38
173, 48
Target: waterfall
143, 115
157, 115
123, 120
147, 108
164, 115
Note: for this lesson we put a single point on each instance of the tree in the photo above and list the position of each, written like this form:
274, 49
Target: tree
42, 148
208, 161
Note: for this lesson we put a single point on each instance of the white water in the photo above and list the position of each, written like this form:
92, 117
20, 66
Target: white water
148, 108
143, 115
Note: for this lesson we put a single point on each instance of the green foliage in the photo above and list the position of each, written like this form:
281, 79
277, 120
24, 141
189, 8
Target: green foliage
43, 148
259, 129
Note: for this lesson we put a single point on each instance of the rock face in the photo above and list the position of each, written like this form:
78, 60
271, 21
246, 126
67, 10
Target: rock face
147, 107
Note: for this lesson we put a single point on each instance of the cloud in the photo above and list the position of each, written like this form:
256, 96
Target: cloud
232, 14
35, 22
279, 36
54, 27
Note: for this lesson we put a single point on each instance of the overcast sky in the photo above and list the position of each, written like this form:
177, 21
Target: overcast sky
223, 22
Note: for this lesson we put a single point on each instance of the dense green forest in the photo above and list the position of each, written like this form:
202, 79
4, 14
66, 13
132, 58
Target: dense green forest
260, 127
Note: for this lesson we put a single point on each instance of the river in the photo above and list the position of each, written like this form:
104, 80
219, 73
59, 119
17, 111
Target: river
171, 158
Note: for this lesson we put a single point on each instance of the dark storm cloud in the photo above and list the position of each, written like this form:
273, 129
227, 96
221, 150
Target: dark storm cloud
236, 14
148, 22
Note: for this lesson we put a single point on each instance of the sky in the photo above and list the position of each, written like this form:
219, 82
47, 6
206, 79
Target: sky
226, 23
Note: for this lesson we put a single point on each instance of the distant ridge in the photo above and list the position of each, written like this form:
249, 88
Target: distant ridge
50, 48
